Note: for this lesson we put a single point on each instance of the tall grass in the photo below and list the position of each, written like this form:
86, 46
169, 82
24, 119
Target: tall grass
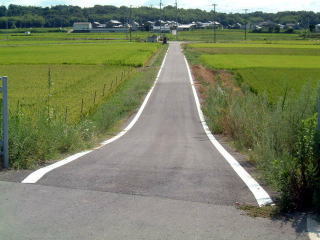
282, 138
75, 88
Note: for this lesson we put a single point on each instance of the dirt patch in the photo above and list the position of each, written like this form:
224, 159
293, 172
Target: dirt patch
262, 212
206, 78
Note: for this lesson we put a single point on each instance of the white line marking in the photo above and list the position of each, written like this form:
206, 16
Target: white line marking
37, 175
259, 193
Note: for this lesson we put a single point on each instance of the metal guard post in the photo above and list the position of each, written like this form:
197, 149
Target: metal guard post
5, 123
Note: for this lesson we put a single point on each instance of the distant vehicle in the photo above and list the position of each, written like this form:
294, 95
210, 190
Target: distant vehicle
165, 40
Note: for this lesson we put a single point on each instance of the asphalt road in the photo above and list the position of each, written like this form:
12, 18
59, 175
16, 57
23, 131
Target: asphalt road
162, 180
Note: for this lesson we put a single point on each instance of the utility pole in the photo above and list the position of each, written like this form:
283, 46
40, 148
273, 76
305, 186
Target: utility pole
4, 152
160, 16
307, 27
245, 24
130, 23
214, 23
7, 21
176, 19
6, 15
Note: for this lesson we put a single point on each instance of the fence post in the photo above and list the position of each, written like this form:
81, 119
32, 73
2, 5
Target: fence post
111, 86
81, 107
66, 115
104, 89
94, 99
5, 123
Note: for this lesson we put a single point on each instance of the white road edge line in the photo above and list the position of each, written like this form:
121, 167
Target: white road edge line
37, 175
259, 193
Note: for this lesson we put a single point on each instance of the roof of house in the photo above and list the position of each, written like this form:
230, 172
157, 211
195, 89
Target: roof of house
115, 22
186, 26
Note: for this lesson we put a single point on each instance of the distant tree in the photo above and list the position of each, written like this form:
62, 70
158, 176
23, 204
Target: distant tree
3, 10
277, 29
290, 30
63, 15
3, 22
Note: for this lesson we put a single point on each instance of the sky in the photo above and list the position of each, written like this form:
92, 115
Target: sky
222, 5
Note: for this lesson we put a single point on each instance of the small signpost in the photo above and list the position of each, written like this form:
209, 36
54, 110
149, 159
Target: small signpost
5, 123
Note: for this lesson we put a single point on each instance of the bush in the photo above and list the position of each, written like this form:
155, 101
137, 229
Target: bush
290, 30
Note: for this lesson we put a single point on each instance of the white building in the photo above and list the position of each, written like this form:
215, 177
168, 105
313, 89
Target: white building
82, 26
186, 27
318, 28
163, 29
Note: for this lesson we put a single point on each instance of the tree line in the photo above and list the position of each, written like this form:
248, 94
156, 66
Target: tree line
15, 16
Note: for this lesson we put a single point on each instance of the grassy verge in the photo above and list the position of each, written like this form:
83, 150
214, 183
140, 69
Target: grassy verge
280, 136
37, 139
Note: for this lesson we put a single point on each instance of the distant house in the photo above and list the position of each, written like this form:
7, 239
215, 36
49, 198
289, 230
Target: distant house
317, 28
291, 26
160, 23
172, 24
162, 29
201, 25
161, 26
113, 24
267, 24
150, 22
236, 26
82, 26
135, 25
186, 27
98, 25
257, 28
147, 26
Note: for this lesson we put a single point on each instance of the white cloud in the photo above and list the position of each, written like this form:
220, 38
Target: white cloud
223, 5
253, 5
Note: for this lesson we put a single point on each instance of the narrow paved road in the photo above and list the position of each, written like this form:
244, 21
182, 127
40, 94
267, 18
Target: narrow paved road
162, 180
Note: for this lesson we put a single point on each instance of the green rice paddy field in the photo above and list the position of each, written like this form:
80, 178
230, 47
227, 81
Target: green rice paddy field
229, 35
72, 78
18, 36
6, 38
273, 68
